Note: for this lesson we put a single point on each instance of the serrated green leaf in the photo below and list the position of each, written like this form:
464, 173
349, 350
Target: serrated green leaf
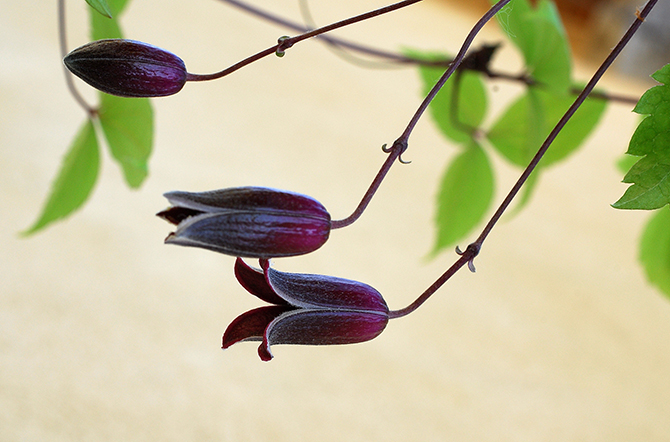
650, 176
662, 75
101, 6
655, 250
539, 34
471, 101
465, 195
651, 188
128, 127
626, 162
75, 180
520, 131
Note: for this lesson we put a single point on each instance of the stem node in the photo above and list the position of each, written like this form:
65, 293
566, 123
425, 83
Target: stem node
283, 43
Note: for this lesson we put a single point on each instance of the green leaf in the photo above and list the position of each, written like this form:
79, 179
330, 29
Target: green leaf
650, 176
117, 6
465, 195
651, 188
626, 162
655, 250
104, 27
128, 127
101, 6
471, 101
520, 131
126, 122
75, 180
539, 34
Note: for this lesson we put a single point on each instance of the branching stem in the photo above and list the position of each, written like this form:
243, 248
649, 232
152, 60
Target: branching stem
473, 249
401, 59
401, 144
285, 43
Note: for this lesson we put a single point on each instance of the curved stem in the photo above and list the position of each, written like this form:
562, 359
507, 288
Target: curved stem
394, 152
233, 68
401, 144
286, 42
62, 38
566, 117
333, 40
407, 60
466, 258
473, 249
454, 65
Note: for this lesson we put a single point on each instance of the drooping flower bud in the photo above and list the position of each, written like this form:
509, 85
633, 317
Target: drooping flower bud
306, 310
251, 222
128, 68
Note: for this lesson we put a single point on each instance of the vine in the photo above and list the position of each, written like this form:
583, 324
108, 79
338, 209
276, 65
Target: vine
546, 124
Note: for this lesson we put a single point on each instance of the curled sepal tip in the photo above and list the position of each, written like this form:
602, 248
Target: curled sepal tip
471, 261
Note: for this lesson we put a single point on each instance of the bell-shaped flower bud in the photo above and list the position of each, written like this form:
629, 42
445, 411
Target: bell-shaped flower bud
251, 222
128, 68
307, 310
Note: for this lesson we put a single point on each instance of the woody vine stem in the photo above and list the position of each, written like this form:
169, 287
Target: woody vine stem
468, 256
401, 144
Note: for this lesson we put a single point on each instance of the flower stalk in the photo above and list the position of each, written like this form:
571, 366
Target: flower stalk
310, 309
402, 143
285, 43
468, 256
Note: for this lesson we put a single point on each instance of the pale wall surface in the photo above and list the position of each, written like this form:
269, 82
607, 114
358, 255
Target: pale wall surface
106, 334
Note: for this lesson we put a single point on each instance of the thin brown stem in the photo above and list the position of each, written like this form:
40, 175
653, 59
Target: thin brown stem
465, 258
394, 153
564, 120
326, 38
401, 59
401, 144
62, 38
285, 43
454, 65
473, 249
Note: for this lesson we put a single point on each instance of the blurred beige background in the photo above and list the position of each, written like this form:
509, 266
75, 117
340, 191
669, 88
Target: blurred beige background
106, 334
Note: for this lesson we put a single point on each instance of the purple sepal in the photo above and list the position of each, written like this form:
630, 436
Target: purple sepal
308, 310
250, 222
128, 68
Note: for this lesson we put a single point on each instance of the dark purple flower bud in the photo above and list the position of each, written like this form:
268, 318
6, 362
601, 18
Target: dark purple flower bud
307, 310
251, 222
128, 68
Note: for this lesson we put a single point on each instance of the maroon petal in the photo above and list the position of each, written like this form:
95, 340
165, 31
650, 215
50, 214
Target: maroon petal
252, 234
319, 291
249, 198
250, 222
250, 326
321, 327
254, 282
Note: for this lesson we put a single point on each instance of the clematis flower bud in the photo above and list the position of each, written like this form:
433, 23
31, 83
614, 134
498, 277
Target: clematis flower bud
128, 68
251, 222
307, 310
